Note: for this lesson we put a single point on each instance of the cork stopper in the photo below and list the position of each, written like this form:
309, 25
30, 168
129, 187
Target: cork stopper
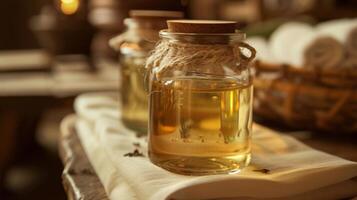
201, 26
166, 14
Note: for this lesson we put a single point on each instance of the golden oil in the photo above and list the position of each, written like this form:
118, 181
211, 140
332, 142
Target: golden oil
133, 93
200, 125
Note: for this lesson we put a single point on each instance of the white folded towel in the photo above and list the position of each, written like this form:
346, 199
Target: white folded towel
283, 40
93, 106
281, 168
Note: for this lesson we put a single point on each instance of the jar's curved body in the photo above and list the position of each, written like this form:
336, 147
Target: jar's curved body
200, 115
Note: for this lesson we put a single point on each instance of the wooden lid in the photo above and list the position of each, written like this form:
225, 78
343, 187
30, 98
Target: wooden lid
155, 14
201, 26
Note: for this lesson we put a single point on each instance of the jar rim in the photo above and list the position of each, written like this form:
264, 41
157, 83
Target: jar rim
214, 37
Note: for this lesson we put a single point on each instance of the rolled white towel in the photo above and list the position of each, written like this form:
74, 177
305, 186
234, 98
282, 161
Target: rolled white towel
316, 49
324, 51
262, 47
345, 31
284, 38
338, 29
297, 52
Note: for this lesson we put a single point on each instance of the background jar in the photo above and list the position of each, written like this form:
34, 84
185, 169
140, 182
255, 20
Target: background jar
134, 45
200, 99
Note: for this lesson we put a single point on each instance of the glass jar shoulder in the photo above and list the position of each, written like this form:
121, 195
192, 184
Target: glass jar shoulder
202, 79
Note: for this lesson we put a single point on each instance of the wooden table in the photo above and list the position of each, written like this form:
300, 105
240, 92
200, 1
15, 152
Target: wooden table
81, 182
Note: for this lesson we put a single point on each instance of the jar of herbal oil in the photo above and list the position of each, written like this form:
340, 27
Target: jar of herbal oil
134, 45
200, 98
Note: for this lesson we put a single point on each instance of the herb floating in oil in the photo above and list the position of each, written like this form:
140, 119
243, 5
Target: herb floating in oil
135, 153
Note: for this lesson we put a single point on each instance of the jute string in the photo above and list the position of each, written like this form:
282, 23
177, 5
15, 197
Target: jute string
200, 58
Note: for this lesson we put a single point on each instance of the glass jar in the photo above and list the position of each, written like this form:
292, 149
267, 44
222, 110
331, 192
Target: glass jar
134, 45
200, 99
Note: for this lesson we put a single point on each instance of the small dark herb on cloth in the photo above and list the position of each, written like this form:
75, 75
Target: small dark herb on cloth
135, 153
264, 171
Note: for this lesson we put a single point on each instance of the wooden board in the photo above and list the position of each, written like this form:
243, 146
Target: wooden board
79, 178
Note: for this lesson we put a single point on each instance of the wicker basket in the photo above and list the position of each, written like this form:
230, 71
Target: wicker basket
308, 98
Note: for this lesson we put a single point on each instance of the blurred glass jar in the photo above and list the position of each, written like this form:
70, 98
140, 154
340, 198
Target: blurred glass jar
200, 98
134, 45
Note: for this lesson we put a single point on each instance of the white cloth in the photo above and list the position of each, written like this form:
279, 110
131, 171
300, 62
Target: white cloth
296, 171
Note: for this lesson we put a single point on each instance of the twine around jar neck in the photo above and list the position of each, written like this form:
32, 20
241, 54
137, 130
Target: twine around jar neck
201, 53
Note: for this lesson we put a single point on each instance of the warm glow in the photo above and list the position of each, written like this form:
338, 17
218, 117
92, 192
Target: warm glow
69, 7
